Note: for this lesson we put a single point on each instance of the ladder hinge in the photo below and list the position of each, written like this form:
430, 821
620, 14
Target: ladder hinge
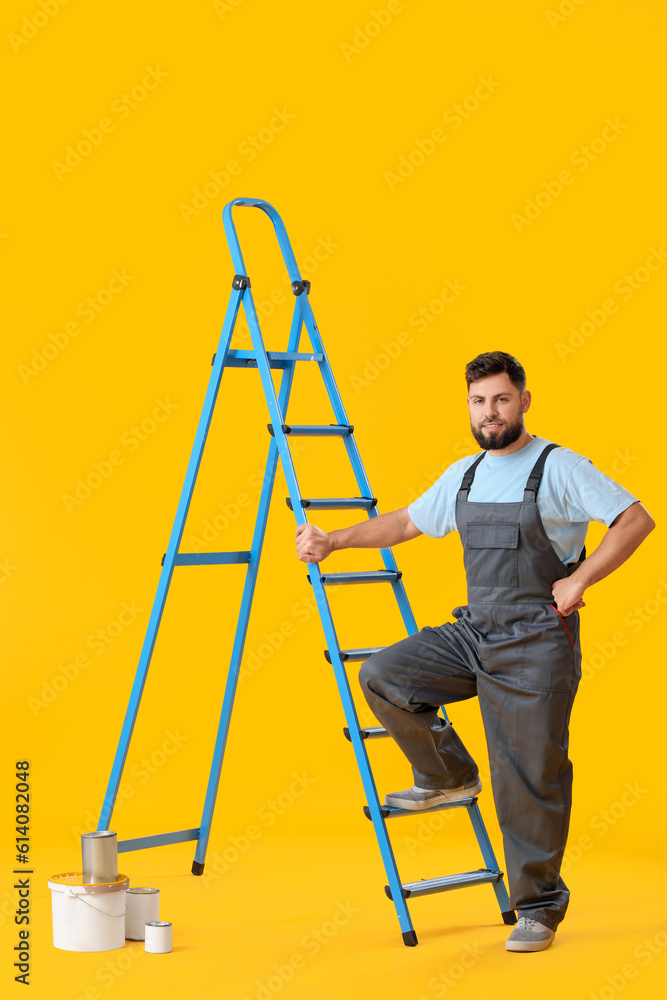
301, 286
240, 282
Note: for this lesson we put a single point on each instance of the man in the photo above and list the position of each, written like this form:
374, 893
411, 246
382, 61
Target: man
522, 509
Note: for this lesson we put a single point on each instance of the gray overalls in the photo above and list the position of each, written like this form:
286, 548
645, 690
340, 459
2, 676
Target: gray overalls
510, 646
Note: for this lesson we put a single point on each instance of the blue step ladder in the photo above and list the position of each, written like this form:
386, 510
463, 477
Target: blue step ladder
262, 360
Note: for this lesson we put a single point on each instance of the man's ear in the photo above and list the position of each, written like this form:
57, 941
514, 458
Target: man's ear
525, 401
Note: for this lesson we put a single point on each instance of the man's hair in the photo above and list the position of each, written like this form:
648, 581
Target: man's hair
495, 363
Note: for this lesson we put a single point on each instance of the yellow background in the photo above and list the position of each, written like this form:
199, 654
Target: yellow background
354, 100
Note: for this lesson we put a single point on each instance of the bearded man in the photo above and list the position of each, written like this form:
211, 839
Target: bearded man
522, 508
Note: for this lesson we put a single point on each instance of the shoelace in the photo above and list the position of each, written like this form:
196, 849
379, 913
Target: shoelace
526, 924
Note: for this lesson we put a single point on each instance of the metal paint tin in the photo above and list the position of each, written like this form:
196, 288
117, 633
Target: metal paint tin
99, 853
143, 905
158, 937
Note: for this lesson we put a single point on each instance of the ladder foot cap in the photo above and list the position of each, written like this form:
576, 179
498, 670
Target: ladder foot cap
197, 868
509, 916
384, 812
410, 939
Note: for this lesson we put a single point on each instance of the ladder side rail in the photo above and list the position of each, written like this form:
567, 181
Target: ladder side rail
244, 614
277, 420
354, 455
490, 861
168, 564
278, 224
360, 754
276, 413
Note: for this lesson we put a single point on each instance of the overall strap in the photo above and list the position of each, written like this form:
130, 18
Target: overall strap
468, 477
535, 477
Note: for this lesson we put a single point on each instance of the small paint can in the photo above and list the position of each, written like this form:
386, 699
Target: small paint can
99, 853
158, 937
143, 906
87, 917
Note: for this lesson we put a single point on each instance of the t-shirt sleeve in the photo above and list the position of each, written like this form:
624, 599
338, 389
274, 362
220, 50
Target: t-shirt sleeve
590, 495
434, 512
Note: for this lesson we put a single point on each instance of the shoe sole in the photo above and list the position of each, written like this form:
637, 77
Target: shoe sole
453, 796
528, 945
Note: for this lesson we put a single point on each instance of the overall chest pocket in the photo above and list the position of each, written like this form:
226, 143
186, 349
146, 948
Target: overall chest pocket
492, 554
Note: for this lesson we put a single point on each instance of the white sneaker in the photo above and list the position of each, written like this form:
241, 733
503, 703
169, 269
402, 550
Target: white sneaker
529, 935
425, 798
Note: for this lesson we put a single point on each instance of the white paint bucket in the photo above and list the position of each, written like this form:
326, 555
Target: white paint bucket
143, 905
87, 917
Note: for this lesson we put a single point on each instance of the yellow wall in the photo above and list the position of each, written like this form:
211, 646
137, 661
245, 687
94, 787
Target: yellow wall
512, 152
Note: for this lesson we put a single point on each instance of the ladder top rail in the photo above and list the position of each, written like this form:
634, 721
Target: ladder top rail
278, 224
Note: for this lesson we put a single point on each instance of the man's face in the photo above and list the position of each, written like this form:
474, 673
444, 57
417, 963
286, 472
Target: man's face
496, 411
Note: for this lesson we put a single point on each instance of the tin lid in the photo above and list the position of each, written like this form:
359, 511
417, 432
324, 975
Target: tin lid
74, 881
142, 888
158, 923
99, 833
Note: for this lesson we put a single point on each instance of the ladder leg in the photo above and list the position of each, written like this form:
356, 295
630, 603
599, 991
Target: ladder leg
372, 799
244, 614
276, 411
235, 662
168, 564
508, 914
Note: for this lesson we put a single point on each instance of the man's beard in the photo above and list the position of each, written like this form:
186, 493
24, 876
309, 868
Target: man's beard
497, 440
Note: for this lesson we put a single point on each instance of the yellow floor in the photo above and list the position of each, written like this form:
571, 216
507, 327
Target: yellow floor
298, 915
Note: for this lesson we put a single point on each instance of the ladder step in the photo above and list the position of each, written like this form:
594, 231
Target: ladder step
373, 576
277, 359
370, 733
340, 503
315, 430
427, 886
354, 654
210, 558
391, 812
159, 839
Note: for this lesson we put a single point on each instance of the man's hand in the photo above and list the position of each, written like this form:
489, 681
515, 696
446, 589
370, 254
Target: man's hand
383, 531
623, 536
312, 544
567, 595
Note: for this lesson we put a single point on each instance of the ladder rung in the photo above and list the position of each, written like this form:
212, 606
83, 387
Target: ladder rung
210, 558
391, 812
158, 839
315, 430
373, 576
370, 733
277, 359
354, 654
333, 503
427, 886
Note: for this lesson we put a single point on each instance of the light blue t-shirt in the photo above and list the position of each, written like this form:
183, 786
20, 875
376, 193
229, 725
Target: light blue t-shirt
572, 493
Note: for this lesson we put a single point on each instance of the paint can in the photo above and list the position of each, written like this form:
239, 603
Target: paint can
143, 905
88, 917
158, 937
99, 853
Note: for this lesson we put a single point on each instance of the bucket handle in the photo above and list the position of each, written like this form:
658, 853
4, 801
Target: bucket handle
77, 895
